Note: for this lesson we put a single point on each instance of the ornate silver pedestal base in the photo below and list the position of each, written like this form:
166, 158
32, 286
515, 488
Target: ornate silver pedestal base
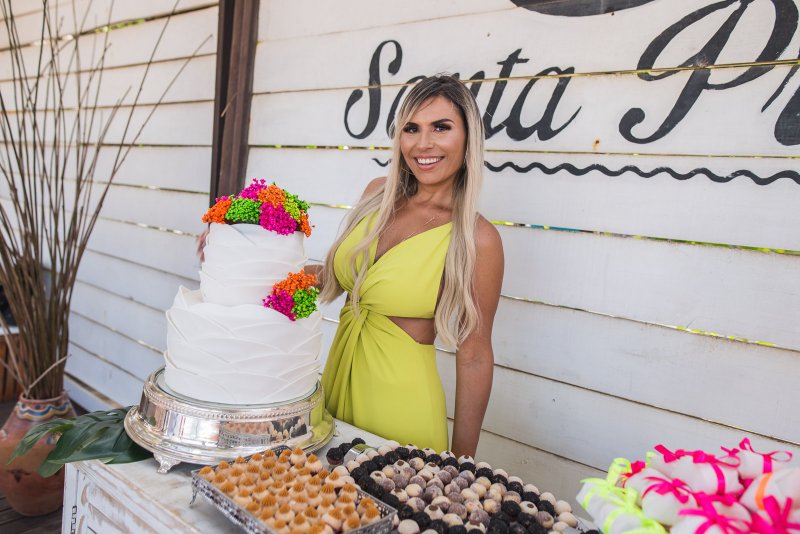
180, 429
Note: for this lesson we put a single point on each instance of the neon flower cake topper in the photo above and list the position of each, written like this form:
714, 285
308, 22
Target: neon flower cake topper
295, 296
273, 208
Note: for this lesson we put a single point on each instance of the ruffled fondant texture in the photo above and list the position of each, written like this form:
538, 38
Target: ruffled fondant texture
222, 344
243, 261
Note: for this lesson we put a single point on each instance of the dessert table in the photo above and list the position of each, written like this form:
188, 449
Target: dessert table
135, 498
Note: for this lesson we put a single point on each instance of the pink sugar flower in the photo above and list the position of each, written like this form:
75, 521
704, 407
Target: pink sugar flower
251, 191
282, 302
277, 220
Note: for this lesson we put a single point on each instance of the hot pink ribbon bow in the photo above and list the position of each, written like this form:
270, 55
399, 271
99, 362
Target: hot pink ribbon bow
778, 518
670, 456
745, 445
664, 486
728, 525
636, 467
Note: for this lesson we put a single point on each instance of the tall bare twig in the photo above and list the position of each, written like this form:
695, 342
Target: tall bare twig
46, 218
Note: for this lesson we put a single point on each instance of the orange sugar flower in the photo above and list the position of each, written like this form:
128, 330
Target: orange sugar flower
272, 194
304, 226
217, 212
295, 281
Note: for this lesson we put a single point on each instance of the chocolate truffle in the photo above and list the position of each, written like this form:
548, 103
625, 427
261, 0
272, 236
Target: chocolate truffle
422, 519
510, 507
405, 511
438, 526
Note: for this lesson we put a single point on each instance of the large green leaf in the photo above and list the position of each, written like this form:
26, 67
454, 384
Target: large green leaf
92, 436
36, 433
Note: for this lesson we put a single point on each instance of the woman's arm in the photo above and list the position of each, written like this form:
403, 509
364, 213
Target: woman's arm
474, 358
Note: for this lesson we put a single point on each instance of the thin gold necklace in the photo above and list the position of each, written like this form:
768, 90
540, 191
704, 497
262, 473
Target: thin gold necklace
412, 234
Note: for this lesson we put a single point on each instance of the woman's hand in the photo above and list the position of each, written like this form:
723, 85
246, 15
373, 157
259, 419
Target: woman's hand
317, 269
474, 358
201, 243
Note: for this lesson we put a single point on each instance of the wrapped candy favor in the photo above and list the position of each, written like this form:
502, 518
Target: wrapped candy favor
707, 519
708, 474
642, 480
663, 499
776, 519
783, 486
753, 463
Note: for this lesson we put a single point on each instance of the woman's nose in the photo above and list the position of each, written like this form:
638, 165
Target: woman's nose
425, 139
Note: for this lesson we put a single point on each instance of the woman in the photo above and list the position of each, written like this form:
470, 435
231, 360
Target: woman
416, 259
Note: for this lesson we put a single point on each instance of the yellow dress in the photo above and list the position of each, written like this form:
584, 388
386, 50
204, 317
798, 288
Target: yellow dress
377, 377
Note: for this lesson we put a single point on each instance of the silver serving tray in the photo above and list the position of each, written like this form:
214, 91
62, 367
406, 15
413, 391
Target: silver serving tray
179, 429
250, 524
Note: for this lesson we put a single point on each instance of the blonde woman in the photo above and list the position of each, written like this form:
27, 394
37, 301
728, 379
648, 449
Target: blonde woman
416, 259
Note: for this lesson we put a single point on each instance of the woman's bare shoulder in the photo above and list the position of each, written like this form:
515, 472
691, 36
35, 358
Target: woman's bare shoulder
487, 238
373, 185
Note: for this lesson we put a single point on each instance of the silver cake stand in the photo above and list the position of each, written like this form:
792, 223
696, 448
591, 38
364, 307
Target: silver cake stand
179, 429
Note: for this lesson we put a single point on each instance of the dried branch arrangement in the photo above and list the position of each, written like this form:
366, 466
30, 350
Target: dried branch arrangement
53, 126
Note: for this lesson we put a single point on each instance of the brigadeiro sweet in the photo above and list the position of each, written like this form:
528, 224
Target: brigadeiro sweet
516, 528
510, 507
370, 466
457, 509
536, 528
499, 479
380, 462
484, 472
357, 441
439, 526
515, 486
408, 526
334, 456
467, 466
546, 506
403, 452
392, 457
416, 463
545, 519
450, 462
527, 507
359, 472
405, 512
498, 526
416, 503
457, 529
422, 519
391, 500
434, 459
530, 497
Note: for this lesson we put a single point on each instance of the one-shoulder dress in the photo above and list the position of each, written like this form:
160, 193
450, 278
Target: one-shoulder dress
376, 376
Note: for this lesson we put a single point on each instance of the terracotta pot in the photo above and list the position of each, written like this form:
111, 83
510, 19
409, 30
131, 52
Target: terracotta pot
25, 490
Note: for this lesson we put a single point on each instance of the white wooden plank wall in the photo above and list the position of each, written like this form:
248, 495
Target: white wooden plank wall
142, 247
650, 292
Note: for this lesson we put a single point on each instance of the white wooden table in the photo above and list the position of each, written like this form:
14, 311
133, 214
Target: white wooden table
106, 499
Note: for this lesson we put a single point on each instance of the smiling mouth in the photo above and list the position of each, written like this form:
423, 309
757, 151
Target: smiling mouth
428, 161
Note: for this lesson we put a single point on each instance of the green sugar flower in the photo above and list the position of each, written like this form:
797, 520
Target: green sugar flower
244, 210
305, 302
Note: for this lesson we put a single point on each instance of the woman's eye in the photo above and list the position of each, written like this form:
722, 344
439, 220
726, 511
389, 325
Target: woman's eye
442, 127
410, 128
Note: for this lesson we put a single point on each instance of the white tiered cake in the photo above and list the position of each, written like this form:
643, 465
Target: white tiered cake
223, 345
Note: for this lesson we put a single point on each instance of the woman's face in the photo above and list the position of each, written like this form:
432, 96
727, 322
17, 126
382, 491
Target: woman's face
434, 141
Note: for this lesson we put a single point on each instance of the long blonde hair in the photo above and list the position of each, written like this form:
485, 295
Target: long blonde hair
456, 311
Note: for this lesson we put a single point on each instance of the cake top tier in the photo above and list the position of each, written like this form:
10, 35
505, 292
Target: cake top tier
267, 205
